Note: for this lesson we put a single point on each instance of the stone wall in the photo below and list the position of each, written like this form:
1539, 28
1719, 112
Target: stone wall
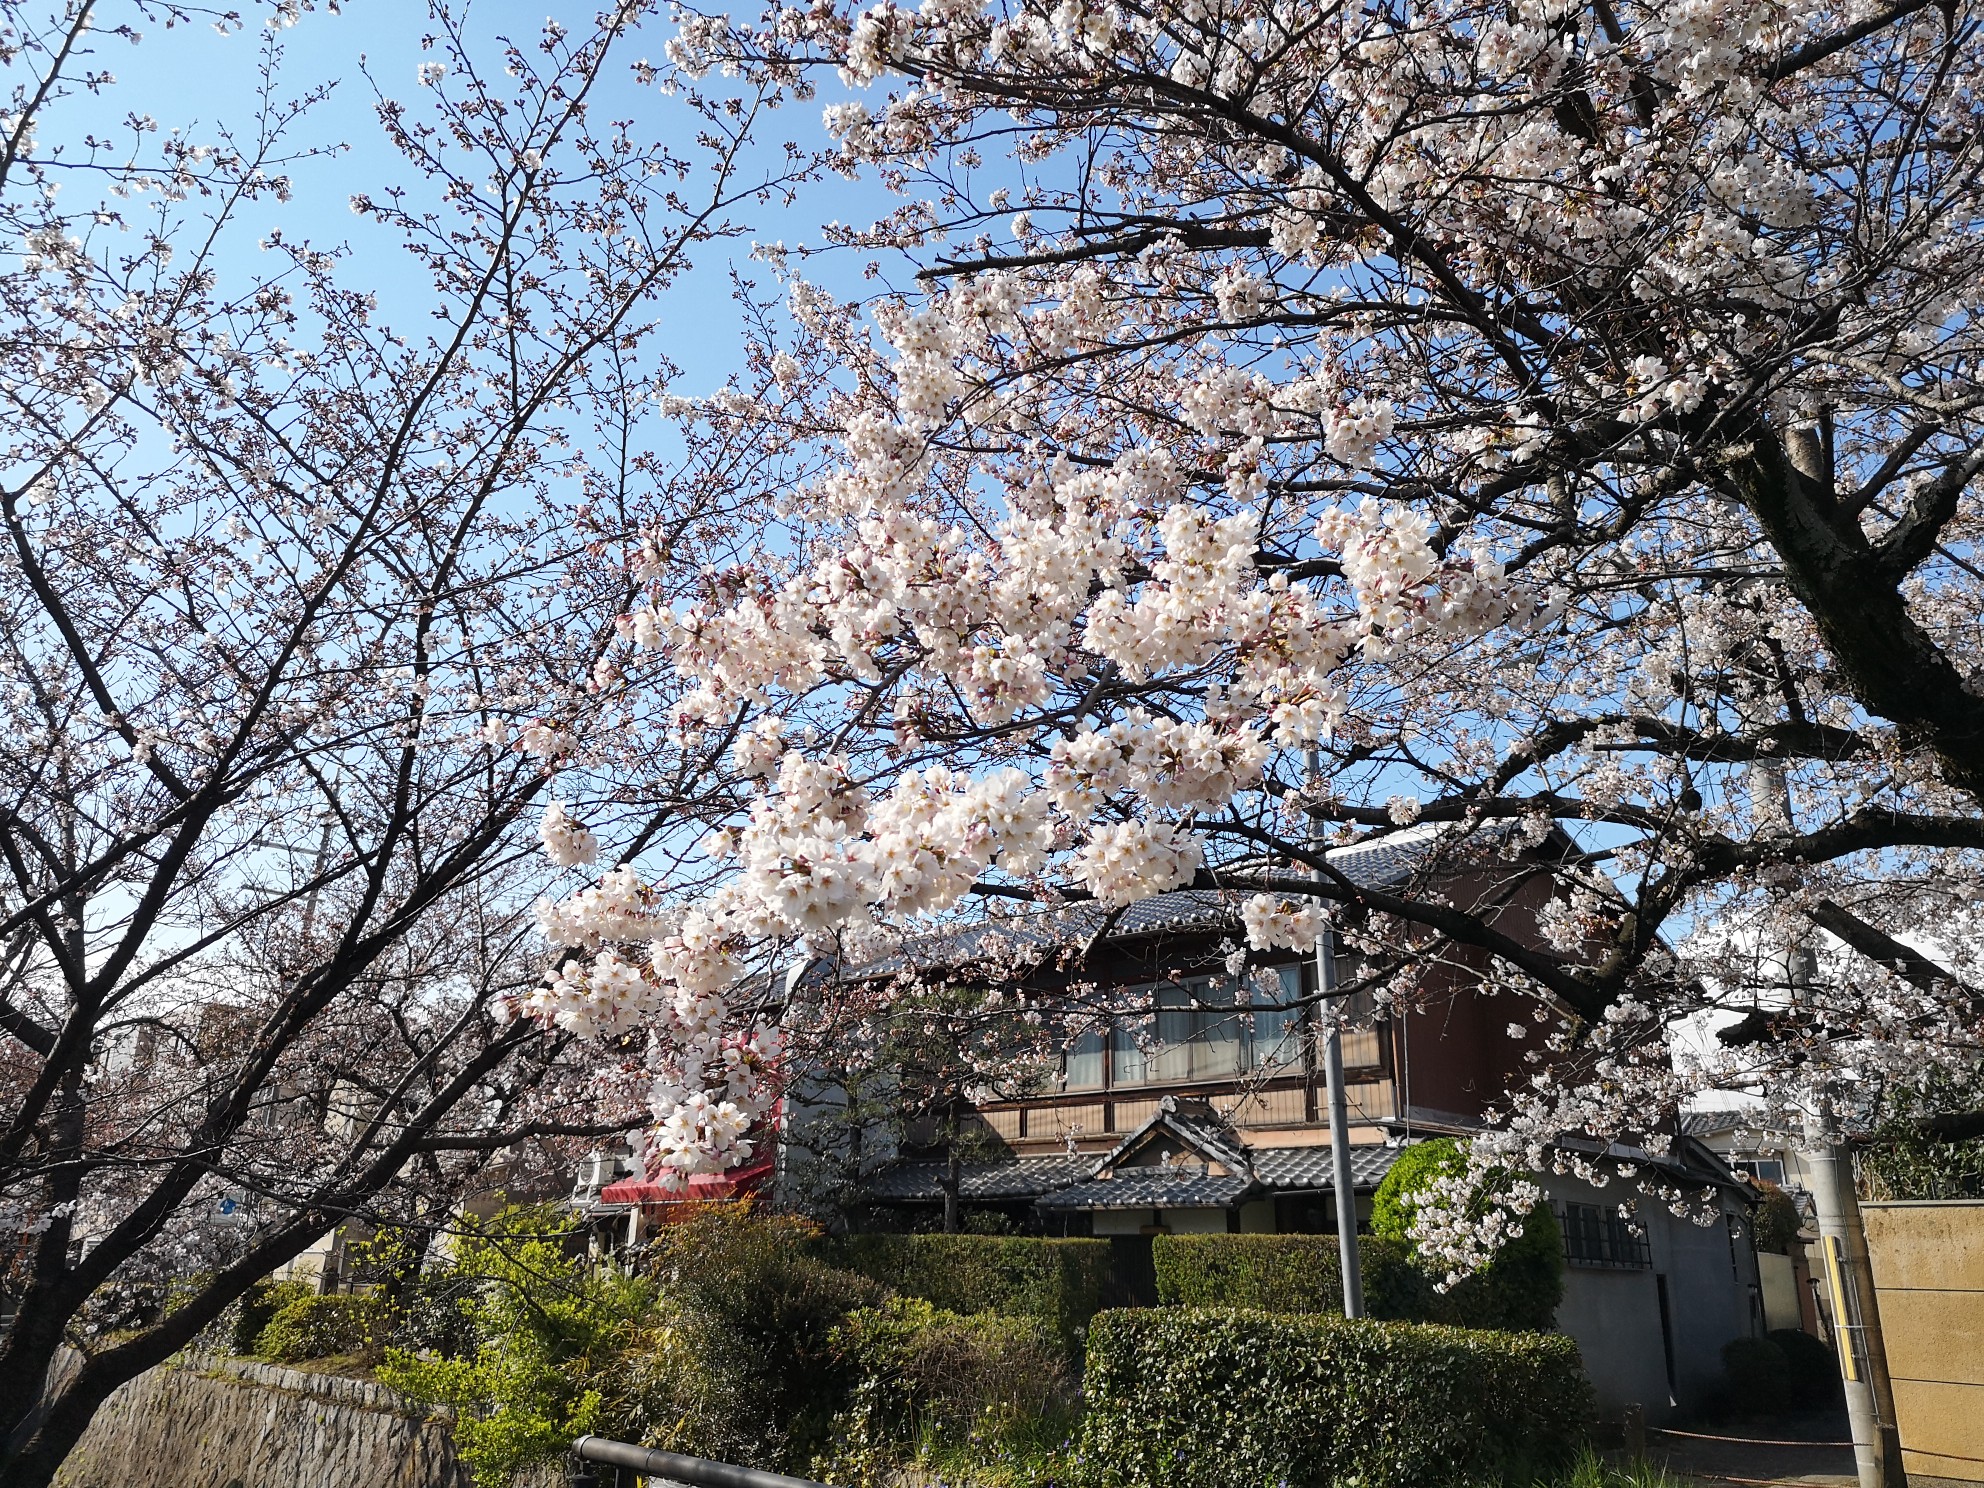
233, 1423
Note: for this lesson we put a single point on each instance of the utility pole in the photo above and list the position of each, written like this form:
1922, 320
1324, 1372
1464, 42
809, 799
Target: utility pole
1863, 1359
1340, 1178
1856, 1313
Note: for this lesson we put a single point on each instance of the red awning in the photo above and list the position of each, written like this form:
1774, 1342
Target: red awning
704, 1188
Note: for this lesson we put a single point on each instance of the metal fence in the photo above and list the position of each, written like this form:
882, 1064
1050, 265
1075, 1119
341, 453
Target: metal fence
599, 1463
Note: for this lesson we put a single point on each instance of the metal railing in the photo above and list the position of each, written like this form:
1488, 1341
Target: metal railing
630, 1464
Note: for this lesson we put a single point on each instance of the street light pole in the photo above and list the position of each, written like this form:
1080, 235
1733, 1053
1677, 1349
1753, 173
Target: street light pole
1340, 1176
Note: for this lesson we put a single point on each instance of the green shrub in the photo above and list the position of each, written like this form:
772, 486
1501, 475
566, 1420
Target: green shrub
1396, 1203
546, 1328
750, 1309
1812, 1366
1774, 1228
243, 1320
925, 1383
1058, 1281
1520, 1288
1758, 1375
1287, 1273
1902, 1158
1218, 1398
434, 1313
319, 1328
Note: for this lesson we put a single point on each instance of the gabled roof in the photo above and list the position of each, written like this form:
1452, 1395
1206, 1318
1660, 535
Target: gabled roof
1087, 1181
1226, 1173
1195, 1125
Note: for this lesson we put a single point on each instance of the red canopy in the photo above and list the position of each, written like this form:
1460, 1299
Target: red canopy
704, 1188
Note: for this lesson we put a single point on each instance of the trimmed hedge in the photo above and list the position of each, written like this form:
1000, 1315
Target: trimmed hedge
1058, 1281
1287, 1273
320, 1327
1231, 1398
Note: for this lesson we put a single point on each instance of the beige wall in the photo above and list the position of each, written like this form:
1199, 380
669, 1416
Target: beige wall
1778, 1276
1929, 1276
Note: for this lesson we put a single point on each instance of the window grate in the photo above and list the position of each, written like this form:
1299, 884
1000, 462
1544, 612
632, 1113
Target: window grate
1595, 1235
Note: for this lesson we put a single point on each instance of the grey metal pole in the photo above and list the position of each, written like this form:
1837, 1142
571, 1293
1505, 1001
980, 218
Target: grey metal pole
1340, 1176
1863, 1360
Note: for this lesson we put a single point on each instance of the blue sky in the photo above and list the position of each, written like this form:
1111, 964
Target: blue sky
189, 78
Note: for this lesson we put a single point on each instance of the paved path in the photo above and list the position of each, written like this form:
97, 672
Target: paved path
1734, 1454
1799, 1452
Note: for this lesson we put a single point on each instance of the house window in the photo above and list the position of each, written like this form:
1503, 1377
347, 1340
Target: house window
1200, 1029
1597, 1235
1277, 1025
1085, 1063
1126, 1060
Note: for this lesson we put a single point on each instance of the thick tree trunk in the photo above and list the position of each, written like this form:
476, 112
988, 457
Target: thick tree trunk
48, 1440
40, 1426
1852, 588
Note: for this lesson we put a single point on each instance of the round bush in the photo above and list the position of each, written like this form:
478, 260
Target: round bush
1758, 1376
1814, 1367
1521, 1287
319, 1328
1396, 1203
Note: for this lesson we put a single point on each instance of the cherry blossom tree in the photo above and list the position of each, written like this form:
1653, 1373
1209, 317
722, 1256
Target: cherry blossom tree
305, 606
1560, 418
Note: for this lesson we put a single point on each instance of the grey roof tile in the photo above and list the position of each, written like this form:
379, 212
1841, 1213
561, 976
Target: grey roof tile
1306, 1169
1152, 1188
1070, 1182
1019, 1178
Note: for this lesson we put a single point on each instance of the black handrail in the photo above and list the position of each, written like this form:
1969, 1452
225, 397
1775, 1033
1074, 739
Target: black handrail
696, 1472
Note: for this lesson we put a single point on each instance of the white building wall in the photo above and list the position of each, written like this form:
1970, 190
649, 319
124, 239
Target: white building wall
1615, 1318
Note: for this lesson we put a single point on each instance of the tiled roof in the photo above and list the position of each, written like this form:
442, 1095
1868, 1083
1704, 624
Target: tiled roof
1018, 1178
1070, 1182
1194, 1123
1712, 1123
1152, 1188
1304, 1169
1382, 862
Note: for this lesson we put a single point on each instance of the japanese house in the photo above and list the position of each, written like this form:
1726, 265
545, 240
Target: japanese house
1214, 1118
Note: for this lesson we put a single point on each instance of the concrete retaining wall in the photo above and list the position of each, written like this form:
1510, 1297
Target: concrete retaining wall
1929, 1277
206, 1423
